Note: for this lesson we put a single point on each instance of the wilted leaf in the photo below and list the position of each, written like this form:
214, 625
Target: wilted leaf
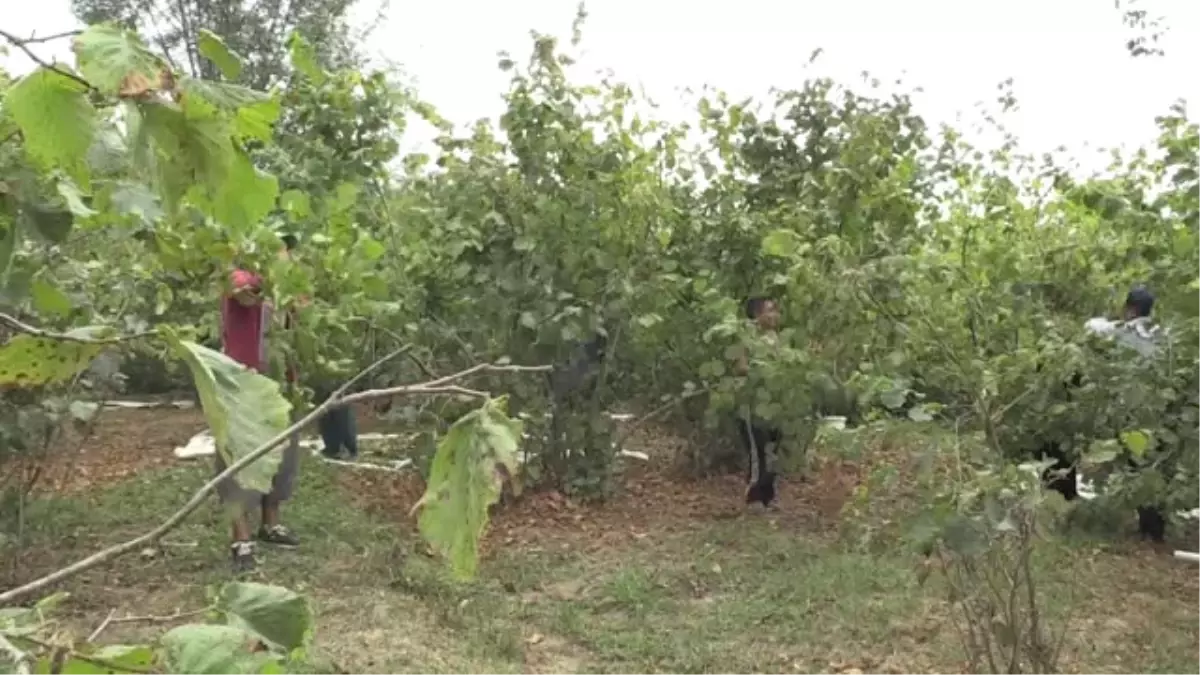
471, 464
27, 361
117, 62
243, 409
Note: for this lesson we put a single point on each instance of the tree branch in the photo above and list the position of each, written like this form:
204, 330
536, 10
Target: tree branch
23, 45
443, 385
34, 40
22, 327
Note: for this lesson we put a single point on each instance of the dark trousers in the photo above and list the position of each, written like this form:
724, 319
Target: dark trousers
759, 438
338, 427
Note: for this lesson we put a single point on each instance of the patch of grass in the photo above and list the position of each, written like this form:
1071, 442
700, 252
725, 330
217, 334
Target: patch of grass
755, 594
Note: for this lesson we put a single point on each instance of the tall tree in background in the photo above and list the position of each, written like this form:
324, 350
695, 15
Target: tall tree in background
1147, 29
257, 30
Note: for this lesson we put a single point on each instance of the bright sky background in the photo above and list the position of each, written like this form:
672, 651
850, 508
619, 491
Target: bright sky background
1077, 85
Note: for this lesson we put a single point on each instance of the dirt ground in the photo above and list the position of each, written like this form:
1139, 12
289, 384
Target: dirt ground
672, 574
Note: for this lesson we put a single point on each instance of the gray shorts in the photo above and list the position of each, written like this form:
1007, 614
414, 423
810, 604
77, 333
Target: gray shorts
230, 492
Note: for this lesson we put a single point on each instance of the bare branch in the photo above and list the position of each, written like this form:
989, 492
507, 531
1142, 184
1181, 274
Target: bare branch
442, 385
23, 46
103, 624
34, 40
22, 327
161, 619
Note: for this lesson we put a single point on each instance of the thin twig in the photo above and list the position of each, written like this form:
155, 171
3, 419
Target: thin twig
103, 624
33, 39
161, 619
22, 327
438, 386
23, 46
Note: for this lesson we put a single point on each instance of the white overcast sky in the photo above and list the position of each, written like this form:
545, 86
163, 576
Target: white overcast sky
1077, 85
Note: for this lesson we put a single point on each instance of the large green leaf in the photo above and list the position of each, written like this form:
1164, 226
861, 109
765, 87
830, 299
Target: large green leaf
243, 408
116, 62
199, 648
213, 48
304, 59
247, 196
280, 616
27, 361
193, 151
56, 120
254, 113
469, 469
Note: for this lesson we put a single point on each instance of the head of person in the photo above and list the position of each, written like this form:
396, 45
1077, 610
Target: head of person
289, 244
763, 311
1138, 303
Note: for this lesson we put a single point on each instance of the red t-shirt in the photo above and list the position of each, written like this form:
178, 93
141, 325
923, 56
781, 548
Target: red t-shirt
244, 327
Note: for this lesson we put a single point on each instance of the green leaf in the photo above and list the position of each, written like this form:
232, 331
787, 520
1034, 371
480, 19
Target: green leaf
48, 299
52, 224
222, 95
1100, 453
199, 648
1138, 441
371, 248
56, 120
243, 409
918, 413
296, 203
468, 471
137, 200
74, 198
116, 62
783, 244
304, 59
247, 196
9, 235
194, 150
257, 120
347, 194
278, 615
964, 536
135, 658
213, 48
27, 361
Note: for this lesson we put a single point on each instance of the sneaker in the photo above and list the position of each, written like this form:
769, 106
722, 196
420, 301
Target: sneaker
278, 535
243, 557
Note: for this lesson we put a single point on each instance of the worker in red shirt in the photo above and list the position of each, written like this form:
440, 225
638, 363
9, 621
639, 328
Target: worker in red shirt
245, 318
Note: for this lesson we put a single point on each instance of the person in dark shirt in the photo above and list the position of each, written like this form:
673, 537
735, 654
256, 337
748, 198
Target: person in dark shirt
760, 438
